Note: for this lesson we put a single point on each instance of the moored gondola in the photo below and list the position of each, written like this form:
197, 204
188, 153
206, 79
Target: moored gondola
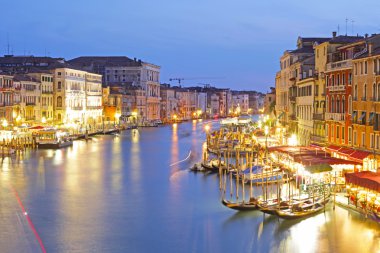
242, 206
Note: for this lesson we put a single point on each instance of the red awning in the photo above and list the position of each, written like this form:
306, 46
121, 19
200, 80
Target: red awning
333, 147
37, 127
346, 151
360, 155
367, 179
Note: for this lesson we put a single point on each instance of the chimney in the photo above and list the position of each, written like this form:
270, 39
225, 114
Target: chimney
334, 34
370, 47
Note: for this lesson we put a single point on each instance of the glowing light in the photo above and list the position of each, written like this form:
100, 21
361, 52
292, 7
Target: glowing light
207, 128
266, 131
43, 120
134, 114
292, 140
4, 123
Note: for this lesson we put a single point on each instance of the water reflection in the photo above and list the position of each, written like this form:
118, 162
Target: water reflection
112, 194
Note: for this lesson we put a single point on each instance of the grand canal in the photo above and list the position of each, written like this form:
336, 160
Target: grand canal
134, 193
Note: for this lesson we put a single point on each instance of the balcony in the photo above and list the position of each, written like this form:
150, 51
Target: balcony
335, 116
318, 116
47, 92
292, 99
339, 65
336, 88
30, 103
94, 107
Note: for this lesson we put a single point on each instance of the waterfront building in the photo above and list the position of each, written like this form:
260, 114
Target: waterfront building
6, 99
240, 104
286, 89
270, 101
186, 103
70, 95
305, 84
30, 98
47, 96
121, 69
201, 103
169, 103
214, 105
338, 76
366, 99
94, 108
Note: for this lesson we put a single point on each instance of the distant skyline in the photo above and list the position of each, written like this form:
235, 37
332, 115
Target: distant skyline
228, 44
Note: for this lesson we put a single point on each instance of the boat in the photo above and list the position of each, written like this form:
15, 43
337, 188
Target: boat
53, 139
197, 167
242, 206
270, 207
209, 165
302, 210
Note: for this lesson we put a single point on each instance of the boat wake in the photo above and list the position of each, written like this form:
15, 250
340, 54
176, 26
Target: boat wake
188, 156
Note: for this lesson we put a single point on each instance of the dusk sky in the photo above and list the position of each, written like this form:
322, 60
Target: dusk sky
235, 44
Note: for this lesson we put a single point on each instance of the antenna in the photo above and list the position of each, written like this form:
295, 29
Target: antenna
8, 46
346, 25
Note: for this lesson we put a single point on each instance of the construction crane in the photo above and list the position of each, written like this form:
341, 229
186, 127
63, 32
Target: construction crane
177, 79
180, 79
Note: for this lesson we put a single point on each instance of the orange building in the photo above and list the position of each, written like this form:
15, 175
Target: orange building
366, 102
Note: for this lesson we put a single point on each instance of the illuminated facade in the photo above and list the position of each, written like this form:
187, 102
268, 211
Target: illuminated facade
30, 98
6, 98
47, 96
69, 95
94, 107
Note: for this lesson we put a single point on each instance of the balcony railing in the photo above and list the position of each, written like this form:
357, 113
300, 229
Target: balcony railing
47, 92
335, 116
30, 103
292, 98
336, 88
318, 116
339, 65
364, 98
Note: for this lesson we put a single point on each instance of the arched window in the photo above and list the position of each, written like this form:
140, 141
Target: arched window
59, 101
356, 92
349, 104
374, 91
337, 108
332, 104
327, 104
343, 104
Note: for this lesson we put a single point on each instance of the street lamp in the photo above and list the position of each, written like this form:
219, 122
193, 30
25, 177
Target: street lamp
43, 120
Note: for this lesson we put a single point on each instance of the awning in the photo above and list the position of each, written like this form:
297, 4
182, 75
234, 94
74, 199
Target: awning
333, 148
346, 151
362, 116
367, 179
281, 115
360, 155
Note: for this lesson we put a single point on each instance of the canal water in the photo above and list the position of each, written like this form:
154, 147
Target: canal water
134, 193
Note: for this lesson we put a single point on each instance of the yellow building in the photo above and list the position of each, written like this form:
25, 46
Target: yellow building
366, 103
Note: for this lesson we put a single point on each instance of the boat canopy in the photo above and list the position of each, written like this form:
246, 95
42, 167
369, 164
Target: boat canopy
229, 121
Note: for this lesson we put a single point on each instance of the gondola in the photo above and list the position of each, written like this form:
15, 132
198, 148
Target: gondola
246, 206
209, 165
271, 206
302, 210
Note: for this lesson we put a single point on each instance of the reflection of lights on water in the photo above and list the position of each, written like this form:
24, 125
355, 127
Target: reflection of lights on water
174, 126
58, 156
305, 234
135, 135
